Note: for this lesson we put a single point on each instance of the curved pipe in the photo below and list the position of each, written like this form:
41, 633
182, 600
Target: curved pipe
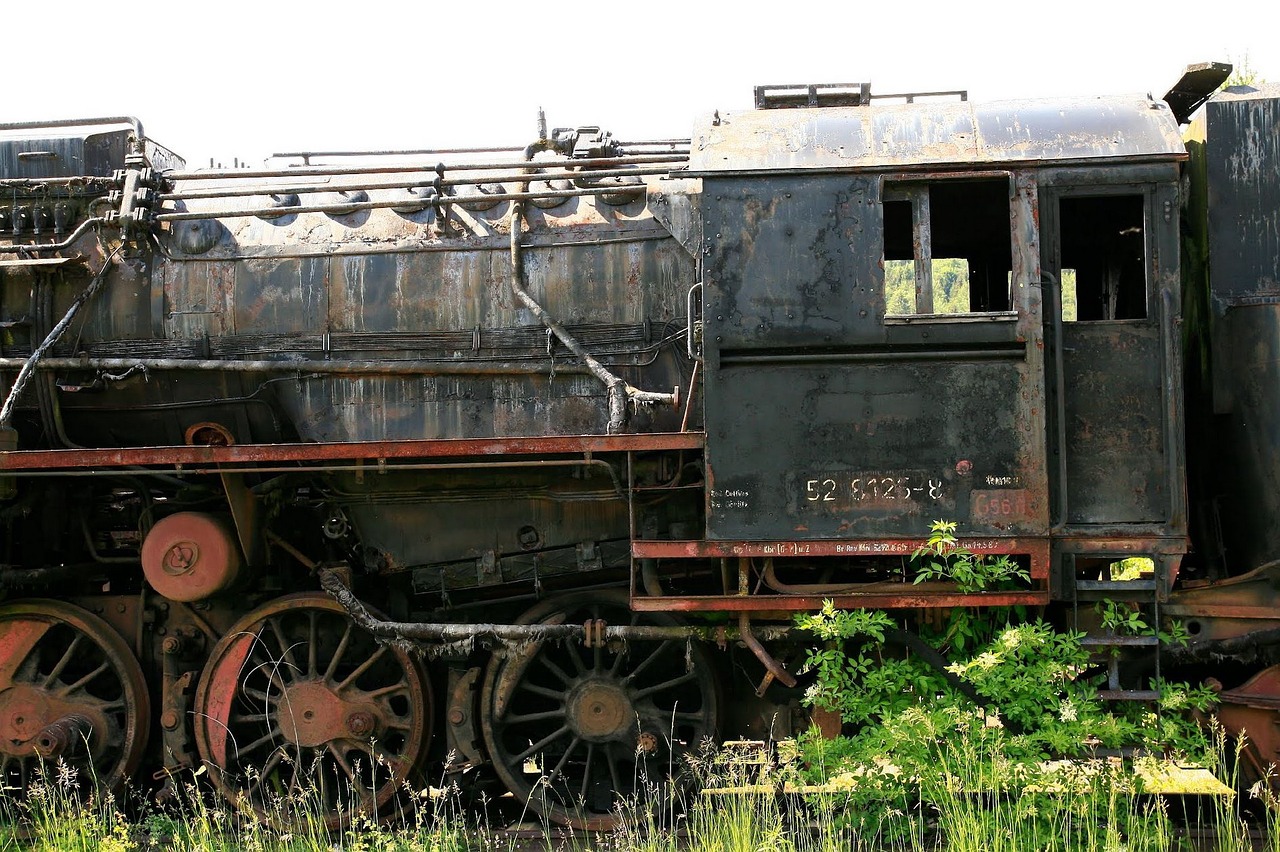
773, 666
616, 387
619, 391
29, 366
42, 247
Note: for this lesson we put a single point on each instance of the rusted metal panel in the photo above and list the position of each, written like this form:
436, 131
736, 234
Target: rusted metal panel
370, 451
1241, 149
935, 134
282, 296
91, 146
878, 450
860, 425
197, 302
1115, 427
791, 261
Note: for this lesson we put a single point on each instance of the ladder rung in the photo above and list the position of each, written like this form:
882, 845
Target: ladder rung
1141, 591
1116, 585
1129, 694
1119, 641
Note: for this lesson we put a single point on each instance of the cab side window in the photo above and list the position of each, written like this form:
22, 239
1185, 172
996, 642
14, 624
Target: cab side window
947, 247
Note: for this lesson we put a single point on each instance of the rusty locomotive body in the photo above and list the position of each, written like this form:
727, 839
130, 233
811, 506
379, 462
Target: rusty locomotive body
571, 416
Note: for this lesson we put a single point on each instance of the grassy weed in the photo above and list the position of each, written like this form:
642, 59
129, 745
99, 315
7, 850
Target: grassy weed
969, 803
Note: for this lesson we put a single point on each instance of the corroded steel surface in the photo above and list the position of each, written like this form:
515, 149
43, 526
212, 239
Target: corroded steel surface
605, 722
71, 690
296, 698
879, 136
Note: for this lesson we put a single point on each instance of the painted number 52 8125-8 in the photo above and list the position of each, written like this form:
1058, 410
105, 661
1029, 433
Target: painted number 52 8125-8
875, 488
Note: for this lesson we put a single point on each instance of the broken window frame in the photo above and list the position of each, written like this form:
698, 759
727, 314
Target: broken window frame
1146, 194
914, 189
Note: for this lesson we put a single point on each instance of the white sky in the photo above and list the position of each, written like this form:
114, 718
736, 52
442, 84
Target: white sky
244, 79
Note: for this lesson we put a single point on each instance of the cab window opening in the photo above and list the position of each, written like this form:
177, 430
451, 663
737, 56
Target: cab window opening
947, 247
1103, 258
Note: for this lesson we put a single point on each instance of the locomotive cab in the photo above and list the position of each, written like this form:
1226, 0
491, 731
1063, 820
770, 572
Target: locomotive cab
941, 310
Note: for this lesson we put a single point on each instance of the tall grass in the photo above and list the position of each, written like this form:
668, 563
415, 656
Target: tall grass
968, 802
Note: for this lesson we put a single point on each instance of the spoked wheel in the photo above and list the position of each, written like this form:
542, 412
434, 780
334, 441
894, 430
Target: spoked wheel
71, 693
576, 731
301, 712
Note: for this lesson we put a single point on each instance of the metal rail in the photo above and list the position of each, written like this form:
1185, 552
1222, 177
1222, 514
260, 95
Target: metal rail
353, 367
437, 183
343, 208
507, 165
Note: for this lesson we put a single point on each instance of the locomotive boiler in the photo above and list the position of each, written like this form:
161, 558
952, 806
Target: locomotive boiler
585, 420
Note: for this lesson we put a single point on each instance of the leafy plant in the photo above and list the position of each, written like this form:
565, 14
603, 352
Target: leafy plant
942, 557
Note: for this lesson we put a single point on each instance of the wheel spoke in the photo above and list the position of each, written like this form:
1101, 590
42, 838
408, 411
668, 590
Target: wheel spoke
313, 643
586, 772
67, 656
560, 673
270, 736
555, 773
342, 761
268, 667
613, 769
383, 691
288, 663
267, 768
338, 653
258, 694
558, 713
73, 688
541, 690
571, 648
540, 744
362, 668
662, 687
653, 655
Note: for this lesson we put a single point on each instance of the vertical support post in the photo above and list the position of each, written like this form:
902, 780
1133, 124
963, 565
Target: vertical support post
922, 248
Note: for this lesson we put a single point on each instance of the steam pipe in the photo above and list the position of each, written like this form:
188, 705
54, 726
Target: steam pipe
42, 247
753, 643
619, 391
358, 367
259, 189
310, 171
350, 207
28, 367
450, 632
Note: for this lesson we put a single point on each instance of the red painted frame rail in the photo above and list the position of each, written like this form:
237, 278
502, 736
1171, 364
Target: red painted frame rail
30, 460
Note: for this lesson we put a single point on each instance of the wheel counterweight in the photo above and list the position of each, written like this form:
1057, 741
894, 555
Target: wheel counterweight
576, 731
300, 711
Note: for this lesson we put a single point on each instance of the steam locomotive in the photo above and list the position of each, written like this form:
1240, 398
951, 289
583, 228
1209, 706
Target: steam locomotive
314, 473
